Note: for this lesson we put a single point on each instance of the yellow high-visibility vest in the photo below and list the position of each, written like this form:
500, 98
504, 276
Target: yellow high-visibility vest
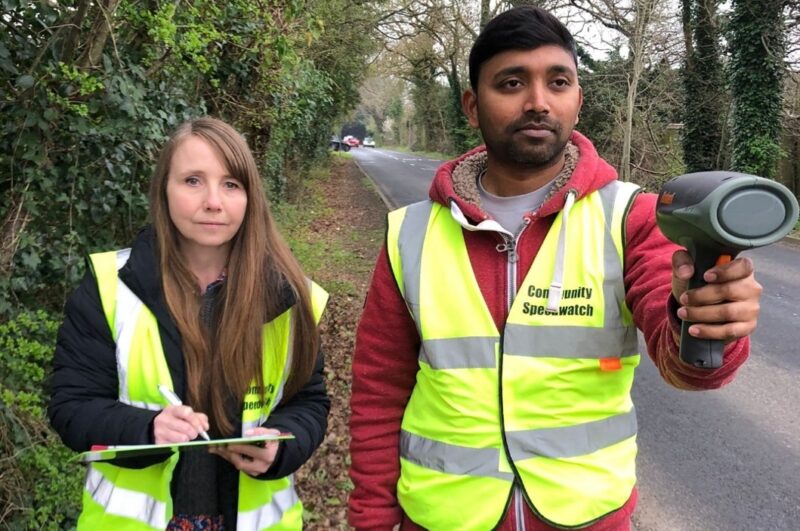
125, 499
544, 402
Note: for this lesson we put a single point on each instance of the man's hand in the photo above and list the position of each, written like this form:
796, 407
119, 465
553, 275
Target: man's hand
724, 309
176, 424
250, 458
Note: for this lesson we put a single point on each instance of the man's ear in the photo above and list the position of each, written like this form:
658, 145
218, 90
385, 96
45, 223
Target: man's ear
469, 104
580, 105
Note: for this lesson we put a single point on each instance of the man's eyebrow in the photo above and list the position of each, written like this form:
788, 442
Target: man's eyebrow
562, 69
510, 71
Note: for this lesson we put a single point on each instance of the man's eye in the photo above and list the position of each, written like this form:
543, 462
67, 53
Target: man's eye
561, 83
512, 83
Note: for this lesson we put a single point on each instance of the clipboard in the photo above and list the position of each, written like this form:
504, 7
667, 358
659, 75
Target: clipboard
107, 453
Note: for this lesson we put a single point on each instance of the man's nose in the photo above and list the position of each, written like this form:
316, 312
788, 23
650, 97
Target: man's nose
536, 100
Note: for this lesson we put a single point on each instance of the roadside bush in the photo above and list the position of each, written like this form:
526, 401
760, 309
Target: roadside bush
40, 483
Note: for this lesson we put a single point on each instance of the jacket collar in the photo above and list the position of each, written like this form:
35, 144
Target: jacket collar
584, 172
142, 275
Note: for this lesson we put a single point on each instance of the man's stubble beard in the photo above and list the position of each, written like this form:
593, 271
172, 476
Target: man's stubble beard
525, 152
540, 156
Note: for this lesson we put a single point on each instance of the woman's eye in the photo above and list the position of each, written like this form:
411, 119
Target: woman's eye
192, 180
232, 185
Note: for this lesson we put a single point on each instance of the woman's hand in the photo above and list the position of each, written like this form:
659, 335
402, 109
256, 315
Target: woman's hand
250, 458
176, 424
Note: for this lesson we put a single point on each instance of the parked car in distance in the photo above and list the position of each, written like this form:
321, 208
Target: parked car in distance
337, 145
351, 141
369, 142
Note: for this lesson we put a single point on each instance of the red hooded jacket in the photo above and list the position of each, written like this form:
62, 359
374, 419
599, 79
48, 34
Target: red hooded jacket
387, 343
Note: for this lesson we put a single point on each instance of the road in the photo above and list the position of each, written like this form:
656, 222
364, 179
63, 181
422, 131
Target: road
708, 461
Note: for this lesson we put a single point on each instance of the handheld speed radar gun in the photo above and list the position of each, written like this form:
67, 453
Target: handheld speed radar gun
715, 215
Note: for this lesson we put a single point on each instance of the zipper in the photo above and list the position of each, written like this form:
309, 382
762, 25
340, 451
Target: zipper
509, 246
518, 508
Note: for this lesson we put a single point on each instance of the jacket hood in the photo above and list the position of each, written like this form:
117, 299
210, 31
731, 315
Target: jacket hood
583, 172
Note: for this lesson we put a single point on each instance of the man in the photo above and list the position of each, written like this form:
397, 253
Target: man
496, 352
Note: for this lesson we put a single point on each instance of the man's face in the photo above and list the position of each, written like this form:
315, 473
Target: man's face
526, 105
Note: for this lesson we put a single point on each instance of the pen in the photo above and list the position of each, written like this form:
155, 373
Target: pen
173, 399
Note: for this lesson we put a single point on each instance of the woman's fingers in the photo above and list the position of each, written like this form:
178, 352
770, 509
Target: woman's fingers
178, 424
250, 458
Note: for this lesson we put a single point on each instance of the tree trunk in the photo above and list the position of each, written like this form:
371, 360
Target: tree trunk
101, 31
705, 97
73, 32
636, 43
486, 12
757, 43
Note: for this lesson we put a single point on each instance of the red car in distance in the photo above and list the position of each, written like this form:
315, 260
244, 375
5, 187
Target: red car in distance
351, 141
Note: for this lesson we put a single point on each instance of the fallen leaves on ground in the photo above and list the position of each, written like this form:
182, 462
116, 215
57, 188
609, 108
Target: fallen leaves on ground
355, 216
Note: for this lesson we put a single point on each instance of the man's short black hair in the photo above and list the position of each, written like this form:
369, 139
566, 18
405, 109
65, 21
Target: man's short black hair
520, 28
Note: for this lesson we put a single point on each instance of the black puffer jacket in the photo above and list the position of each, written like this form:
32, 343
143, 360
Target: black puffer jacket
84, 409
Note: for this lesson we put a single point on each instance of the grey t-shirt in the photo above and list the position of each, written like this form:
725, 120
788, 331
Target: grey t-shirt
509, 211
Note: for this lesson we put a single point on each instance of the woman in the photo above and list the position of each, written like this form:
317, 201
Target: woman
185, 307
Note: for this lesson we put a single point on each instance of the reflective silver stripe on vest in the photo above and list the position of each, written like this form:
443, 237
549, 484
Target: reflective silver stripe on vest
270, 514
613, 286
128, 308
122, 257
124, 502
460, 353
570, 341
410, 242
451, 459
571, 441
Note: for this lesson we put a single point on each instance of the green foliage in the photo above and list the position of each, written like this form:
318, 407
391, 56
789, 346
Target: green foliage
756, 79
85, 115
464, 137
655, 146
41, 484
604, 90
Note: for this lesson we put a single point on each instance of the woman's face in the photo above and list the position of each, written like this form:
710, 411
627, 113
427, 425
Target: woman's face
206, 203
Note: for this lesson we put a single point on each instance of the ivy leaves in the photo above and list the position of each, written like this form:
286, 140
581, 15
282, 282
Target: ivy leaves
79, 135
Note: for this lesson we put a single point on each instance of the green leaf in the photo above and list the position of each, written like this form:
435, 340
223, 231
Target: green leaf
31, 259
25, 82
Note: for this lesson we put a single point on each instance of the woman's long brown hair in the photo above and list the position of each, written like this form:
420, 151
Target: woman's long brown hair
221, 365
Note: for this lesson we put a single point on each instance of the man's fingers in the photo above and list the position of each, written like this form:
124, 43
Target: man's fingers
723, 332
740, 268
682, 265
721, 313
682, 271
744, 289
